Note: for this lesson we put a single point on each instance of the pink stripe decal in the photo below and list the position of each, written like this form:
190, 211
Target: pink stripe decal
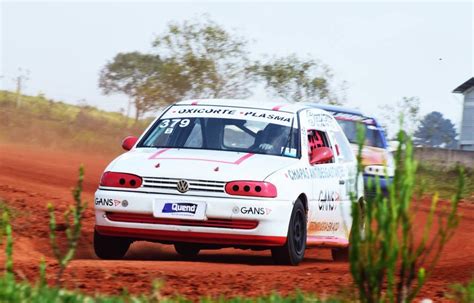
243, 158
158, 153
278, 107
194, 103
237, 162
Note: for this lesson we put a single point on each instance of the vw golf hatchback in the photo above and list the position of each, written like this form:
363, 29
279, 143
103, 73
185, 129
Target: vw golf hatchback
209, 174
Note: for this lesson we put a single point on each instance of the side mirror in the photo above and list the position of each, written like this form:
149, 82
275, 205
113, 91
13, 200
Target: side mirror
129, 142
321, 155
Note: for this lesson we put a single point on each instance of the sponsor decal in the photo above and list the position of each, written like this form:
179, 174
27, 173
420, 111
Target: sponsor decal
253, 210
180, 208
267, 116
219, 111
327, 199
198, 111
316, 172
321, 121
323, 226
109, 202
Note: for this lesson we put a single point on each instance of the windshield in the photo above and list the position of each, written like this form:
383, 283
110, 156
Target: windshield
224, 131
373, 136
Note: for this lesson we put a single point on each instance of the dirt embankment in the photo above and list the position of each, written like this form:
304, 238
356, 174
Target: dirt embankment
30, 177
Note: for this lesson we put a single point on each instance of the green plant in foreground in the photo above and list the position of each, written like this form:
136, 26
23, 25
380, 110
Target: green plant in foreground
73, 230
462, 293
387, 263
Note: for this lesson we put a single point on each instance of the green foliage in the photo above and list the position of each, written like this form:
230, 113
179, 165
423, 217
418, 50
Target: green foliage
59, 125
296, 79
436, 131
214, 60
130, 73
387, 263
73, 229
462, 293
190, 60
201, 59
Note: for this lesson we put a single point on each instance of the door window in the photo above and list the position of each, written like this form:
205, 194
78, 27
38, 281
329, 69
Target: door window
317, 139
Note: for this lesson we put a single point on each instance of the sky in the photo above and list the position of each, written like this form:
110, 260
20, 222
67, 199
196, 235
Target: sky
383, 50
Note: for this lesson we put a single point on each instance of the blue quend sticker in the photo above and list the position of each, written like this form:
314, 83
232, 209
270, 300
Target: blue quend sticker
180, 208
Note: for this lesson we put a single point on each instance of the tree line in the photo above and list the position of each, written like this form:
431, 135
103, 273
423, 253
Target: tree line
201, 59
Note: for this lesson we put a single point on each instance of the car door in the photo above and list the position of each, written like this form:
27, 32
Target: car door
347, 180
323, 218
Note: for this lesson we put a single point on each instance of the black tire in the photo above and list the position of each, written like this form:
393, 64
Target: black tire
340, 254
292, 253
187, 250
110, 248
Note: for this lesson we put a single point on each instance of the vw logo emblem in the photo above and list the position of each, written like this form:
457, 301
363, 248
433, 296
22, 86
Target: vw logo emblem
182, 186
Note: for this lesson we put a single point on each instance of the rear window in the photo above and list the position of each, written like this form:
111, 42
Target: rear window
373, 136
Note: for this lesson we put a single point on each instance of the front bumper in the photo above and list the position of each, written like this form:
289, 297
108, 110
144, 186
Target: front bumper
227, 219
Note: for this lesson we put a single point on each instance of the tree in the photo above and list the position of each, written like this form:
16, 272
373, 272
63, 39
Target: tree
436, 131
191, 60
130, 73
214, 60
296, 79
404, 114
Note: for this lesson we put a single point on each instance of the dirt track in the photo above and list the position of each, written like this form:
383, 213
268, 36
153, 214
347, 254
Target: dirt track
31, 177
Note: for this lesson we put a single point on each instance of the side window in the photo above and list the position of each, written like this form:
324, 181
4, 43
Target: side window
317, 139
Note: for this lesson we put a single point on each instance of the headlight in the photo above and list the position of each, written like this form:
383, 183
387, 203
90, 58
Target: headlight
379, 170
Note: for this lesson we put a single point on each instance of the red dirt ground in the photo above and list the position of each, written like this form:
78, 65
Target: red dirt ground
31, 177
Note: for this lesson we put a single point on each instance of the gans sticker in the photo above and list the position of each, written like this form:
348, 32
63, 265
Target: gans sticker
110, 202
255, 210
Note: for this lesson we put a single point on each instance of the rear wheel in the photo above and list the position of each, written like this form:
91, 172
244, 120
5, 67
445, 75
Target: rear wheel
110, 248
187, 250
292, 253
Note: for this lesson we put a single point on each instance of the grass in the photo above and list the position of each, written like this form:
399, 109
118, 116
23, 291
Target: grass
53, 124
443, 181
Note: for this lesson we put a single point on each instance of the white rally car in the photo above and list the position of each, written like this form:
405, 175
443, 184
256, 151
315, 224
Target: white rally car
208, 174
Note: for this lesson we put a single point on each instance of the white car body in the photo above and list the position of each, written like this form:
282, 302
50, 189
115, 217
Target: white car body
206, 214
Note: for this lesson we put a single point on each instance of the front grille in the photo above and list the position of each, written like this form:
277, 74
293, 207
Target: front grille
194, 185
149, 219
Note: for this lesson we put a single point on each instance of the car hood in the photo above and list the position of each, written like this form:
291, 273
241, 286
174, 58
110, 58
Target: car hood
198, 164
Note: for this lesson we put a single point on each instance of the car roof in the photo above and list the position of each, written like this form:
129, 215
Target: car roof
337, 108
257, 104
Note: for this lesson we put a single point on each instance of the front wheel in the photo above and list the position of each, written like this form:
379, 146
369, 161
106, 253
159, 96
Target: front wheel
292, 253
110, 248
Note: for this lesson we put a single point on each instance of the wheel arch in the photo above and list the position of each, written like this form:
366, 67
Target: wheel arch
304, 199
